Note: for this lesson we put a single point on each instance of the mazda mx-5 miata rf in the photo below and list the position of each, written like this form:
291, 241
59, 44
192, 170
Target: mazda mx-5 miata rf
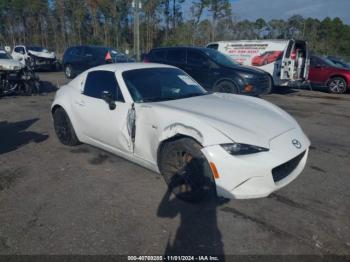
204, 144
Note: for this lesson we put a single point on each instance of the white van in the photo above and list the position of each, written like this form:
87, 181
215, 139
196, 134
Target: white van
287, 61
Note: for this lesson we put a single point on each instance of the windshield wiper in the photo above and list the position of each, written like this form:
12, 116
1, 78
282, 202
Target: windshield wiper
194, 94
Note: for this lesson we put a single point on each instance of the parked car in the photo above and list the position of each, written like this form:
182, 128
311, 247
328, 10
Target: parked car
266, 58
324, 73
77, 59
289, 68
213, 70
202, 143
36, 57
339, 62
15, 77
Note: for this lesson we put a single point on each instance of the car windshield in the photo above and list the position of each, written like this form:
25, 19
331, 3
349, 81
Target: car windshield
4, 55
328, 62
37, 49
160, 84
339, 63
220, 58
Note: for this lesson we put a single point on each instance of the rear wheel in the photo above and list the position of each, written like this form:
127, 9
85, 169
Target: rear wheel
226, 87
337, 85
186, 170
63, 128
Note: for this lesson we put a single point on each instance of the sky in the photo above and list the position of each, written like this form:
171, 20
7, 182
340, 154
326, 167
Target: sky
282, 9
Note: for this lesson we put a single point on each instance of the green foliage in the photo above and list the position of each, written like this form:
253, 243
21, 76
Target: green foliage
57, 24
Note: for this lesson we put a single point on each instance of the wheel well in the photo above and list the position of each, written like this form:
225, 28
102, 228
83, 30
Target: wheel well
346, 81
172, 139
226, 80
53, 110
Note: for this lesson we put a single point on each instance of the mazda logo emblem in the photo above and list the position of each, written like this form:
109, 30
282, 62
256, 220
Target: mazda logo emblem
296, 143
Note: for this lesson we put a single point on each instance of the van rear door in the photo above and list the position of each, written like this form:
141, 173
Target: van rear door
307, 61
287, 64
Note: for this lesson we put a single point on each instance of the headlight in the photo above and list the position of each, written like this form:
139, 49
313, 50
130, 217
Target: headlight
246, 76
242, 149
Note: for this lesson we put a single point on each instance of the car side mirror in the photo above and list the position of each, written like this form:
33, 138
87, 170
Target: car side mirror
108, 98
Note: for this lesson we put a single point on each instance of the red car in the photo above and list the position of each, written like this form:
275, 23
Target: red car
265, 58
324, 73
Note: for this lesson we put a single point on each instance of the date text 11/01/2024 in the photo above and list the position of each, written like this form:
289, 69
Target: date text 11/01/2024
173, 258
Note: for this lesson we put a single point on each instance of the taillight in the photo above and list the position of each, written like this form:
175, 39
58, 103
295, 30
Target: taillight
146, 59
293, 56
108, 57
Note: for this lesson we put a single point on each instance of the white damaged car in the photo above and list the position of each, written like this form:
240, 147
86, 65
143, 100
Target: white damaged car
203, 143
36, 57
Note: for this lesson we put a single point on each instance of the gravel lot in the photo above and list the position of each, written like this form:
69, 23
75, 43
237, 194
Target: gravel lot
60, 200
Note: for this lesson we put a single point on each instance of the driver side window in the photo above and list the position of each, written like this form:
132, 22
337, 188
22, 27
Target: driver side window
99, 81
195, 58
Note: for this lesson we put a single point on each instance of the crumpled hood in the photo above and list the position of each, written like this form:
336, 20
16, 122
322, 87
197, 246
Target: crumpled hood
241, 118
10, 64
42, 54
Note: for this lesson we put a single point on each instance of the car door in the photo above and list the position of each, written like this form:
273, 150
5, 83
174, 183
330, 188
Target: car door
19, 53
198, 66
90, 58
177, 57
319, 71
101, 125
287, 63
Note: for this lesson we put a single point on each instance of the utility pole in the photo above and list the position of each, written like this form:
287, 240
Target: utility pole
136, 5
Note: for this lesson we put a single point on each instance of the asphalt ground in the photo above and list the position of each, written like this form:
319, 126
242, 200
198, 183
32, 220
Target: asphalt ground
56, 199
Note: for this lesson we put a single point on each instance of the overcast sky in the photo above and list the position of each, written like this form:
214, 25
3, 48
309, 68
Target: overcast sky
269, 9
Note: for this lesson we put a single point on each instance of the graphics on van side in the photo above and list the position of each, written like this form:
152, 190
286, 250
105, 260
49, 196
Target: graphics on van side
266, 58
254, 54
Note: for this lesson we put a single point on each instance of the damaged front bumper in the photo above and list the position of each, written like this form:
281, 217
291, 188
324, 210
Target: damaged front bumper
258, 175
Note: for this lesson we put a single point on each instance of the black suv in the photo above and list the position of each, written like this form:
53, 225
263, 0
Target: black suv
77, 59
214, 70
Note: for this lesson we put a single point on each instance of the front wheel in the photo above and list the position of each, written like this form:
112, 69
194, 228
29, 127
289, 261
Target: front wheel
337, 85
226, 87
186, 170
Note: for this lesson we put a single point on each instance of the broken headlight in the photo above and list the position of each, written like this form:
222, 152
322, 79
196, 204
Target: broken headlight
242, 149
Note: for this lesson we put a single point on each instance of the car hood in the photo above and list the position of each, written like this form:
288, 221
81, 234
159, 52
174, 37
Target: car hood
248, 69
42, 54
10, 64
243, 119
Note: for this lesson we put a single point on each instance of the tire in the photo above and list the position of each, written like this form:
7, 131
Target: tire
69, 72
186, 171
63, 128
337, 85
226, 87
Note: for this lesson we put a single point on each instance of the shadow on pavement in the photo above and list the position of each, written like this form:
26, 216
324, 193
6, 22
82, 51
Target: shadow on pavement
283, 90
47, 87
198, 233
13, 135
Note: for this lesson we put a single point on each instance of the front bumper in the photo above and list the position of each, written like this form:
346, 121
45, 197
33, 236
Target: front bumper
251, 176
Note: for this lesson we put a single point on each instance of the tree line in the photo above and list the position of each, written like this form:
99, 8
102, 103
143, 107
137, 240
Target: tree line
57, 24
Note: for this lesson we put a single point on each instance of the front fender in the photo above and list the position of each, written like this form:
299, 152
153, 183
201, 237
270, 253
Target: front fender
62, 101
